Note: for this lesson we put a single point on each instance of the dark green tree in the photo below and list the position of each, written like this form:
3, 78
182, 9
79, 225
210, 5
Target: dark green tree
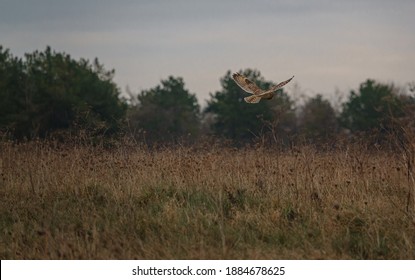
49, 91
317, 120
12, 81
235, 119
166, 113
373, 107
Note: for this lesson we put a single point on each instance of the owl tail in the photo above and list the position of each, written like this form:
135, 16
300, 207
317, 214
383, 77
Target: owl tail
252, 99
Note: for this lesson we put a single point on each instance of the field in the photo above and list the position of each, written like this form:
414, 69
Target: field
68, 201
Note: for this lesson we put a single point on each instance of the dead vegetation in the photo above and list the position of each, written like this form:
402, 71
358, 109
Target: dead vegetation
129, 202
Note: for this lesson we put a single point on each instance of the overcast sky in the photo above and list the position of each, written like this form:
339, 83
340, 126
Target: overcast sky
326, 44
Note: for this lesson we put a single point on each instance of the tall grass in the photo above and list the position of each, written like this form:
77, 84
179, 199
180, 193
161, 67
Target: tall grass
210, 202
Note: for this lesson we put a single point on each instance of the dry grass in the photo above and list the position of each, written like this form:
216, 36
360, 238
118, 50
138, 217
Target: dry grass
84, 202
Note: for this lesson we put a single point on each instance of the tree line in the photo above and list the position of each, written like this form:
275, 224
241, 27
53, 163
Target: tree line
50, 94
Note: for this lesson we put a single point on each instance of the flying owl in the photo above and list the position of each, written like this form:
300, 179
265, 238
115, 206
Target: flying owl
257, 93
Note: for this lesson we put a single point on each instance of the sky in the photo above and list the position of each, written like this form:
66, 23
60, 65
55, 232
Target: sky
330, 46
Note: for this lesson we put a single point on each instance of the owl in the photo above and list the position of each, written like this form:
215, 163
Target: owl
257, 93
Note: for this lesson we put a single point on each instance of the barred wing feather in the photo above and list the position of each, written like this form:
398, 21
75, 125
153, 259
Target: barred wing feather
280, 85
252, 99
246, 84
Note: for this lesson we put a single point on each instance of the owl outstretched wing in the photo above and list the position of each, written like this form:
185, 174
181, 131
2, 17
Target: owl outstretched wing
280, 85
246, 84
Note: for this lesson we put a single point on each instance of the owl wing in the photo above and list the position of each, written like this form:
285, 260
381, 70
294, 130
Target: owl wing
280, 85
252, 99
246, 84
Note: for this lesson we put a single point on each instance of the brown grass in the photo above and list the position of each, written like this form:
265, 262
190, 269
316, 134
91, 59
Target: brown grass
127, 202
